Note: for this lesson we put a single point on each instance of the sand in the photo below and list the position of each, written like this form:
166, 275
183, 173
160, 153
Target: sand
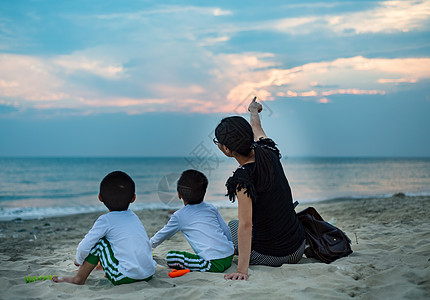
391, 259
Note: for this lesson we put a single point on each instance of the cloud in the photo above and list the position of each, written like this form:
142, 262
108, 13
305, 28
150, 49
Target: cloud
76, 63
48, 83
166, 90
122, 102
388, 16
324, 100
353, 92
303, 25
385, 17
29, 78
309, 94
220, 12
236, 68
398, 80
352, 76
8, 103
166, 10
214, 40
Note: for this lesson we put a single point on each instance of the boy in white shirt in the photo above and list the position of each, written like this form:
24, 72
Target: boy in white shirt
118, 239
203, 227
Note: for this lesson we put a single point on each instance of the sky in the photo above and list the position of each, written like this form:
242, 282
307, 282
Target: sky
154, 78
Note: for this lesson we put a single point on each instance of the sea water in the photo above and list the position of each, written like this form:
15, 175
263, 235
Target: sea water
42, 187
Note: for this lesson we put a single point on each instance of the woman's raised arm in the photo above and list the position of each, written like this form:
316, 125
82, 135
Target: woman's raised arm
255, 108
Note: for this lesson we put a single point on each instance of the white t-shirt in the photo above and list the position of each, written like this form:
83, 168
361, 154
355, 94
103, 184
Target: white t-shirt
128, 239
203, 227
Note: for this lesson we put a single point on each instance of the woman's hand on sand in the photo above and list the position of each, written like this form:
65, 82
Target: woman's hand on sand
254, 106
236, 276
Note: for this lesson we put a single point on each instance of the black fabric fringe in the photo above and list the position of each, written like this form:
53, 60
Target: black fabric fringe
241, 179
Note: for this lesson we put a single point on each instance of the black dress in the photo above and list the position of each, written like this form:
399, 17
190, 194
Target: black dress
276, 230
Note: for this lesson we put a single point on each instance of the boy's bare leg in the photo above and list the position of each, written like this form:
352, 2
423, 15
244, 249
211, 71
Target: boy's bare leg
80, 278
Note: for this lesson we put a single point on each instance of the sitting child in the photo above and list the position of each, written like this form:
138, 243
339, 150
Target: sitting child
202, 225
118, 239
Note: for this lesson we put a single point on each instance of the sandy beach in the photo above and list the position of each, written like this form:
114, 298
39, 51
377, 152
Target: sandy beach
391, 259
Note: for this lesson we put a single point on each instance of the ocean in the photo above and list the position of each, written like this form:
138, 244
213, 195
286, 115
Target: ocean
43, 187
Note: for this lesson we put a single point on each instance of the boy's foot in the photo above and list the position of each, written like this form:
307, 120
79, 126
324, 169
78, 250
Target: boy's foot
72, 280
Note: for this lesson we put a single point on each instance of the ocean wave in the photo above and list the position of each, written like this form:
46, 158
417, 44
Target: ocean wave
26, 213
46, 196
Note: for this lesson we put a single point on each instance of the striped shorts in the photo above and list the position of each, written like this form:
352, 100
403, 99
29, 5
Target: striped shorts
185, 260
267, 260
102, 251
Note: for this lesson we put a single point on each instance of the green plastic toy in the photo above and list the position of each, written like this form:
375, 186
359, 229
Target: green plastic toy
29, 279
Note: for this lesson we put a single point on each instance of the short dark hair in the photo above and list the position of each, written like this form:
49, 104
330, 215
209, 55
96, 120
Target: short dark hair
117, 191
192, 186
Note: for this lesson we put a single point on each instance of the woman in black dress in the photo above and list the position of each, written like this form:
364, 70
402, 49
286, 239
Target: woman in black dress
268, 231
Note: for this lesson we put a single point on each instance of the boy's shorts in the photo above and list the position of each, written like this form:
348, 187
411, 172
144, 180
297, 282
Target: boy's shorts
102, 251
186, 260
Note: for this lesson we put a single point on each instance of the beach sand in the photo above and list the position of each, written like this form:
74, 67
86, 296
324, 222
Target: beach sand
391, 259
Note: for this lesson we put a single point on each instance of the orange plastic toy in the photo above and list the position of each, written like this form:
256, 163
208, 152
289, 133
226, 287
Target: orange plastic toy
178, 273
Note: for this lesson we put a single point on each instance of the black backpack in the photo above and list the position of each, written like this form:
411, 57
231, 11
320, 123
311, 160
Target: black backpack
326, 242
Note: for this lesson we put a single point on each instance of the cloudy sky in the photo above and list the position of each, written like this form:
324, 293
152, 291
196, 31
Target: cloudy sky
153, 78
